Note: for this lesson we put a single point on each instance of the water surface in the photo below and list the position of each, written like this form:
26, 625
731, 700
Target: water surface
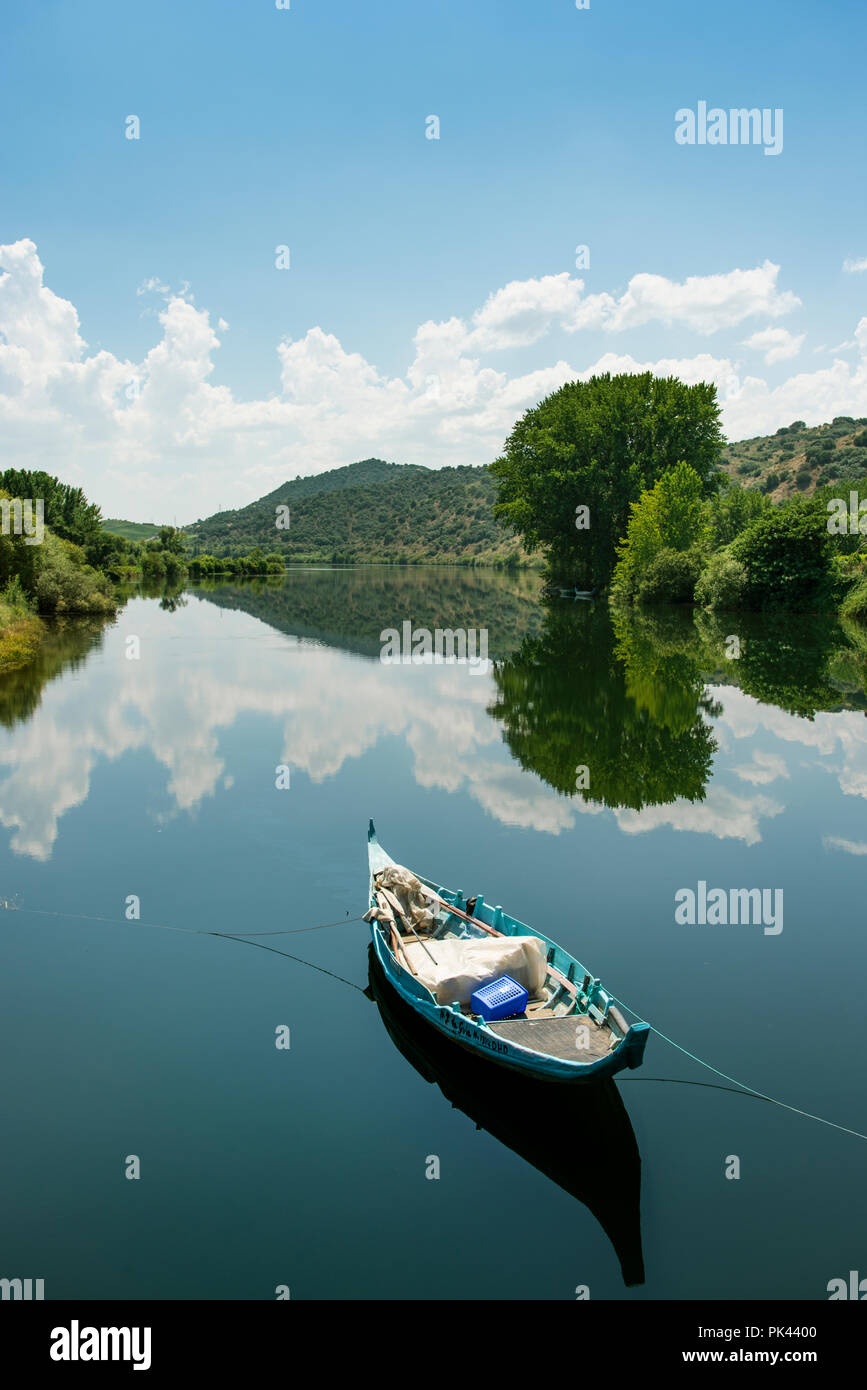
306, 1167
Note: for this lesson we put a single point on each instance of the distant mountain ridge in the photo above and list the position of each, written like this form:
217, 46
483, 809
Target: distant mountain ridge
371, 511
361, 474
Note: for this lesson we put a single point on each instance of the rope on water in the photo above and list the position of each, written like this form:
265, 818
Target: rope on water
262, 947
749, 1090
188, 931
243, 937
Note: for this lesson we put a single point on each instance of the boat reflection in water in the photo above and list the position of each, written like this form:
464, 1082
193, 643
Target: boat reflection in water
583, 1142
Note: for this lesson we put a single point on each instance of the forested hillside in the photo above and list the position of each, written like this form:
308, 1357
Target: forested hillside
797, 459
371, 511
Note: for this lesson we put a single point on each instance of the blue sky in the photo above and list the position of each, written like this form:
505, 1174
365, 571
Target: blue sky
306, 128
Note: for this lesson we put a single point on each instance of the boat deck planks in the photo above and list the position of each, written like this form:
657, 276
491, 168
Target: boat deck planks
555, 1036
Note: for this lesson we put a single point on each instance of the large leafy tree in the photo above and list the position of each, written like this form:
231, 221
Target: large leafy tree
67, 510
598, 444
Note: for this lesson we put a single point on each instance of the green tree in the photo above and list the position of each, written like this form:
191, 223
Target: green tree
172, 540
598, 444
67, 511
670, 516
732, 510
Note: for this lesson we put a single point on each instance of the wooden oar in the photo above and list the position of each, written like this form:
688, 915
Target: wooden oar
397, 945
393, 902
465, 917
399, 949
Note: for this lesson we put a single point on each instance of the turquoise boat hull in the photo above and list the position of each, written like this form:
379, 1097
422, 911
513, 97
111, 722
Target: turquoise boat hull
592, 1001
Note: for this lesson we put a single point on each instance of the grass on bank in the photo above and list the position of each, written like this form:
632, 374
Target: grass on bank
20, 629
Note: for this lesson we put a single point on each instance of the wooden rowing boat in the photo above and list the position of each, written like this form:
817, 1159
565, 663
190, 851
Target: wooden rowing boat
571, 1030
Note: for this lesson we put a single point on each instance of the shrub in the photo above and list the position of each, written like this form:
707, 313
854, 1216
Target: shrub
723, 583
854, 604
670, 577
788, 557
175, 569
771, 482
14, 597
153, 564
860, 440
852, 462
804, 479
65, 584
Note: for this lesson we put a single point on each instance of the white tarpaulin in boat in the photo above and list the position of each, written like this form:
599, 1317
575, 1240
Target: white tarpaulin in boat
461, 966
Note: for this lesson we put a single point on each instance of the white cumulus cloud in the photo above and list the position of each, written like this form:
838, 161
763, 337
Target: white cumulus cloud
777, 344
158, 438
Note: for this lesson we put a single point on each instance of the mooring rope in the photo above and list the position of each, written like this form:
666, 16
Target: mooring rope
243, 937
245, 940
748, 1090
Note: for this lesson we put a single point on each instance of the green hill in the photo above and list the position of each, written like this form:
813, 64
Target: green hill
131, 530
797, 459
369, 511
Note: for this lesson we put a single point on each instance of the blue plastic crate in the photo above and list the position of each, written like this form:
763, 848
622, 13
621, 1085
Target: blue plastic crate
502, 998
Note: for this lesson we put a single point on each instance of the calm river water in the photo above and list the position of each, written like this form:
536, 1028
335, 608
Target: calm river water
593, 771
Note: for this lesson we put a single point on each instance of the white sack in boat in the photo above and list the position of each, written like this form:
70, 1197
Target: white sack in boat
407, 889
463, 965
